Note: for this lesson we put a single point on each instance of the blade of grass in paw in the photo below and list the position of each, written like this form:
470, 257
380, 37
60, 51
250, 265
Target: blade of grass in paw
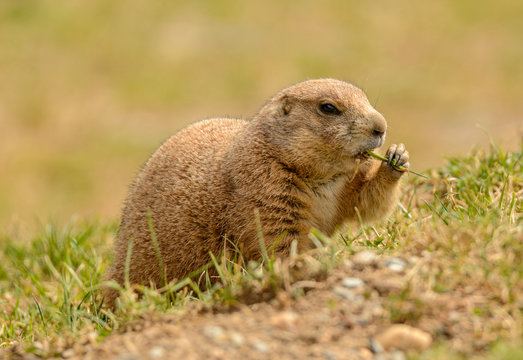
396, 167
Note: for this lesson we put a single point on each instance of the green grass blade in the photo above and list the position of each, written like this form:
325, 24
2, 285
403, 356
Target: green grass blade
156, 247
398, 168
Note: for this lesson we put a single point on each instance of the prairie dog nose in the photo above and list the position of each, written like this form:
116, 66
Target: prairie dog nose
378, 124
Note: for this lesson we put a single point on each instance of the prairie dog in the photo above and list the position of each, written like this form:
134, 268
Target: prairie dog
300, 161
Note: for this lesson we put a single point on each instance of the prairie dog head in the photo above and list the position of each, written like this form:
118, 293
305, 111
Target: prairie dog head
326, 124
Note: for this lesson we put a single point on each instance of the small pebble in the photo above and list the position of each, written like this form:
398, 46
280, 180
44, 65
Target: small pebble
375, 347
329, 355
376, 310
237, 339
364, 258
395, 264
347, 294
69, 353
389, 284
404, 337
352, 282
214, 332
260, 347
157, 352
348, 264
454, 316
398, 355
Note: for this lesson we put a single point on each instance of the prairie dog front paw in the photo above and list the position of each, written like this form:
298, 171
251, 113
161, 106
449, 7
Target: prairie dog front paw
397, 156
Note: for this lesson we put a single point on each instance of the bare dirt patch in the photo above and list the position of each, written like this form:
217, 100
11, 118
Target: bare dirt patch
349, 315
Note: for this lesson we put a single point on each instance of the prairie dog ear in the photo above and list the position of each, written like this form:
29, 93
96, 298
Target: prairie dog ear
286, 105
279, 105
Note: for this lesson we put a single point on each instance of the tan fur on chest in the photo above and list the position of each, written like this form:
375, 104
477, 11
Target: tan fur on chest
325, 203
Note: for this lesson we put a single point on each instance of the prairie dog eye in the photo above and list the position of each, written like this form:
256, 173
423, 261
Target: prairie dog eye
329, 109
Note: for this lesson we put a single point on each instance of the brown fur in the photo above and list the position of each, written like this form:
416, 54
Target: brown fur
299, 167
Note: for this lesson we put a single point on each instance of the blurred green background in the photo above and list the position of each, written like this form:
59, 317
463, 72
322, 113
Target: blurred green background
88, 89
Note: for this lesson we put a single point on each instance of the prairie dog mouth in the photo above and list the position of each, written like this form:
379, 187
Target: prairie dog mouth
363, 155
